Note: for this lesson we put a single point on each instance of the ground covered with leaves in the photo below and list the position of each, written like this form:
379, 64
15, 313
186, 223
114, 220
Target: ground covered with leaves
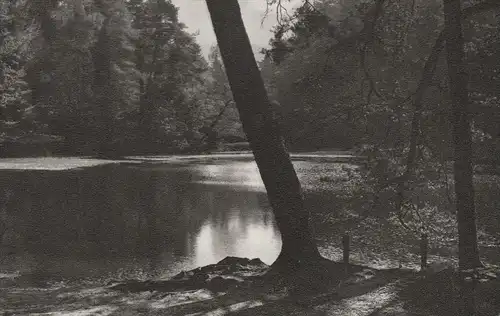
240, 286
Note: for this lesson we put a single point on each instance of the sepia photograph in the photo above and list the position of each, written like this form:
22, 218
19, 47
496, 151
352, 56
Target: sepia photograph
250, 157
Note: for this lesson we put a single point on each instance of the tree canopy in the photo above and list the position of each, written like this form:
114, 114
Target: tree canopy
105, 78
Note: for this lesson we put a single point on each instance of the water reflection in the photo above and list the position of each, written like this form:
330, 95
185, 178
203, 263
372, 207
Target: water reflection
122, 221
247, 233
236, 174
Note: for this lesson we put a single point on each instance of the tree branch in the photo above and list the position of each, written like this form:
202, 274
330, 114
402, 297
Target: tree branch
366, 36
368, 75
368, 32
221, 112
280, 8
425, 82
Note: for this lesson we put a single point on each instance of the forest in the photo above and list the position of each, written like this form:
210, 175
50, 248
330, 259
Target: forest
409, 86
108, 78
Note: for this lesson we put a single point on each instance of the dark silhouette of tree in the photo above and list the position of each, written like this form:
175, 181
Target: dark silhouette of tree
114, 91
457, 76
276, 169
104, 100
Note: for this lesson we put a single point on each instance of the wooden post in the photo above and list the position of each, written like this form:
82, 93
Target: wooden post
467, 292
424, 245
346, 247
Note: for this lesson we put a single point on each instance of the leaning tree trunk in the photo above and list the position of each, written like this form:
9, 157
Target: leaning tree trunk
275, 167
468, 250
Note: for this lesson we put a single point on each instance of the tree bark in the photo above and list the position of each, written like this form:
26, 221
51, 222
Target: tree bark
426, 81
275, 167
102, 77
460, 118
148, 108
424, 84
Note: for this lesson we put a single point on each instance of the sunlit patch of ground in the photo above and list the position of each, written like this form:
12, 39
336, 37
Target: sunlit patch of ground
99, 310
362, 305
9, 276
230, 288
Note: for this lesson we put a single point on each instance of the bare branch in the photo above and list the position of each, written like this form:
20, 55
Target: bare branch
368, 76
221, 113
368, 32
425, 82
280, 9
266, 13
366, 36
283, 9
402, 222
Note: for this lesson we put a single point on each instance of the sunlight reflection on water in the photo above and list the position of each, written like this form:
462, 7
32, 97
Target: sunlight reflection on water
240, 174
133, 221
141, 220
256, 238
53, 163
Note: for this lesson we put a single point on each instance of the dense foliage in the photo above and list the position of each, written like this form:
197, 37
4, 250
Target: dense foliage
104, 77
372, 76
343, 82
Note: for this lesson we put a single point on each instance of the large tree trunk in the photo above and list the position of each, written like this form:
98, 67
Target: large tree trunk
276, 169
468, 250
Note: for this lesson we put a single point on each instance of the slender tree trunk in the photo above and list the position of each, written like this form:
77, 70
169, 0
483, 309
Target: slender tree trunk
276, 169
142, 144
468, 250
42, 91
146, 117
148, 108
104, 99
424, 83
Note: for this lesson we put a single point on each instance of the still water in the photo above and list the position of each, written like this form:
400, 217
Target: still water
121, 221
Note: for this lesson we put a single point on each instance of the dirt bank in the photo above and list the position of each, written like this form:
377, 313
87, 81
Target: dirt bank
239, 286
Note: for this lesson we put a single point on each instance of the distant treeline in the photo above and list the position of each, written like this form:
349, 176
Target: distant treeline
107, 78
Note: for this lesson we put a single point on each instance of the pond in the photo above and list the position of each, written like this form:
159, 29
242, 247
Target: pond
132, 220
84, 220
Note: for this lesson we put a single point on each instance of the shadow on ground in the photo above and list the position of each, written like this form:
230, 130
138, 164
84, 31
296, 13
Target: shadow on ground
237, 286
